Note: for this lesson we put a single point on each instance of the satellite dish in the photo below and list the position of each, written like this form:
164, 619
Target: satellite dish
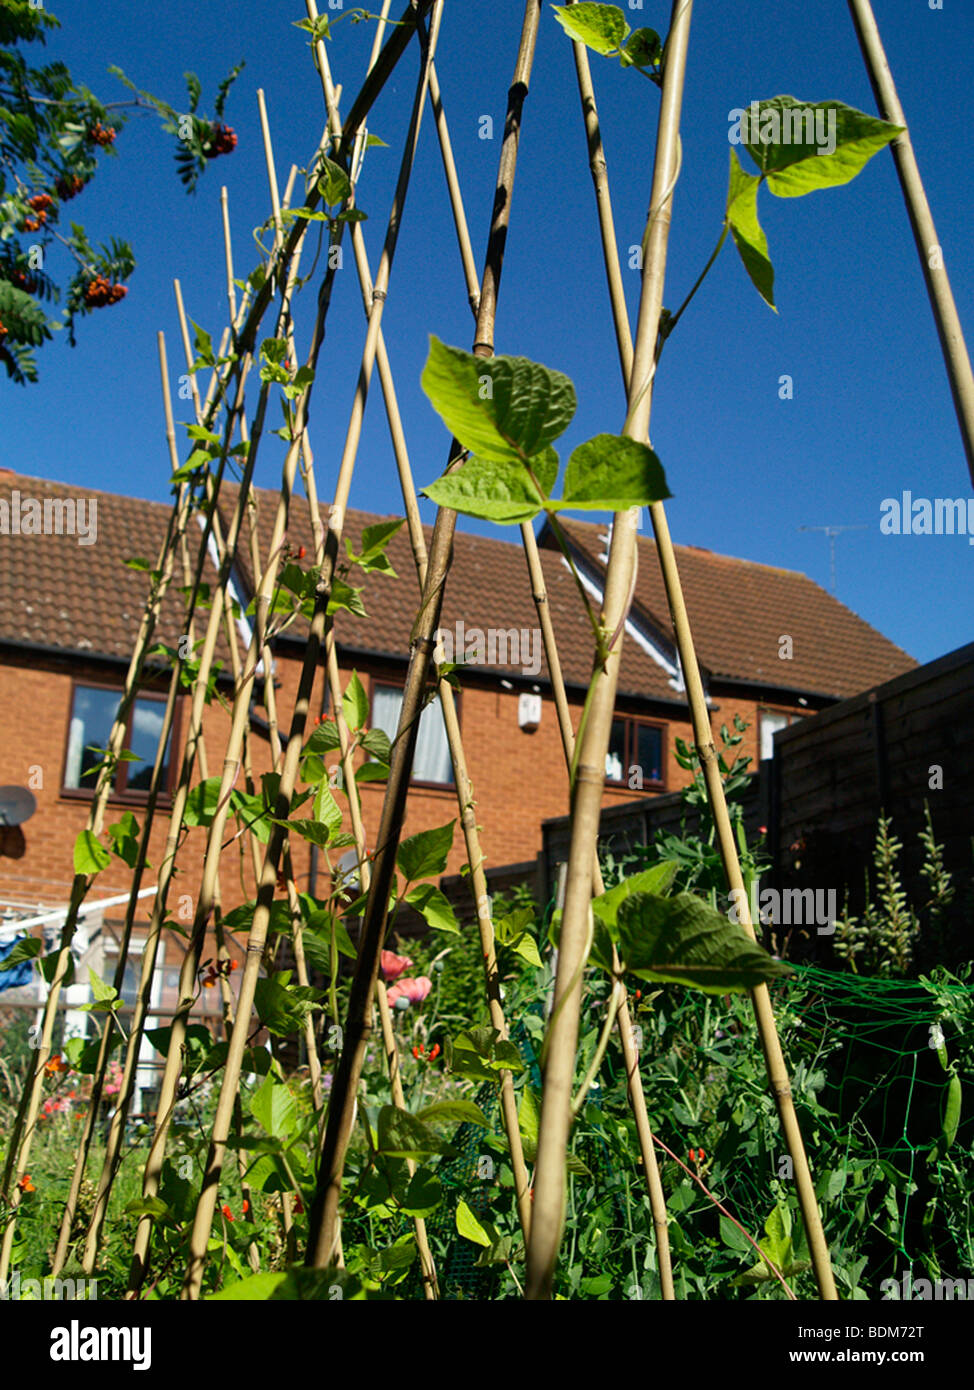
17, 804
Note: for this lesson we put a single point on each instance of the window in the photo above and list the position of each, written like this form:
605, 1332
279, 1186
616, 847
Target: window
771, 721
432, 762
635, 756
93, 712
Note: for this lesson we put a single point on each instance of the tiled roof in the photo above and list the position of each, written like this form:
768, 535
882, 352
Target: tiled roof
488, 587
739, 610
58, 593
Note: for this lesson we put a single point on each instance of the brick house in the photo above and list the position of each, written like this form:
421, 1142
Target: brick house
773, 647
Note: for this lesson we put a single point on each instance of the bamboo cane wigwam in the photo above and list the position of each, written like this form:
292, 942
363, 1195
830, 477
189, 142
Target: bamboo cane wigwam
219, 525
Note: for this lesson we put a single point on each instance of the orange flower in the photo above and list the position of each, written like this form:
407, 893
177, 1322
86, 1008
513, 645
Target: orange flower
56, 1064
25, 1184
435, 1052
246, 1206
234, 965
227, 1212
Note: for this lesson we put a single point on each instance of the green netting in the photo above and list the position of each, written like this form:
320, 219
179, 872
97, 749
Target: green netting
875, 1065
872, 1064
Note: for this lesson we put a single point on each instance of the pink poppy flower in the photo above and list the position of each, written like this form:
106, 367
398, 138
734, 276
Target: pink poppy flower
392, 965
413, 991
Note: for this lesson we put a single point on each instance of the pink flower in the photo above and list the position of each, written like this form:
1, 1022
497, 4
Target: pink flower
392, 965
413, 991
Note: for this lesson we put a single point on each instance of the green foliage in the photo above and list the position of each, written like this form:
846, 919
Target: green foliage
742, 218
53, 131
798, 147
506, 411
425, 854
885, 939
604, 29
90, 855
683, 940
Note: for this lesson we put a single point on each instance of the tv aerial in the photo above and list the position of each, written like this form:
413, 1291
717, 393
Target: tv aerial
832, 532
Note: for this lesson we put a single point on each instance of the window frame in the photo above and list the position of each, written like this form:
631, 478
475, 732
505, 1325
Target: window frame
399, 683
120, 791
789, 715
631, 721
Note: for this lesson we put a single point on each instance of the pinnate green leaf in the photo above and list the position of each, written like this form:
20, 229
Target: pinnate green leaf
497, 490
27, 949
355, 703
402, 1135
433, 904
746, 230
602, 28
470, 1227
610, 473
506, 409
684, 940
425, 854
804, 146
274, 1107
90, 855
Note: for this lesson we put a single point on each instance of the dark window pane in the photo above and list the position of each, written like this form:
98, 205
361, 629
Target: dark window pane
130, 984
615, 758
146, 728
92, 715
648, 752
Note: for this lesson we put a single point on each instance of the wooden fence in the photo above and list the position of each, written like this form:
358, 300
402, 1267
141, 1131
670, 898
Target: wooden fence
890, 749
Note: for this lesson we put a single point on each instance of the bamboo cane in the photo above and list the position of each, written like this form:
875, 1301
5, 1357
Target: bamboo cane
324, 1220
289, 254
194, 750
203, 413
597, 160
637, 1099
949, 330
561, 1043
24, 1125
101, 1065
462, 781
207, 1200
703, 736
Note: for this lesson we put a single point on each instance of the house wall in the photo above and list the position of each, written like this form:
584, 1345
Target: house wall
519, 779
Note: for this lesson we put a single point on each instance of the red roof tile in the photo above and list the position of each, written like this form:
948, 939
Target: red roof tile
62, 593
739, 609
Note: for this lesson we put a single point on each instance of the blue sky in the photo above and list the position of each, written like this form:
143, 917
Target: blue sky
871, 414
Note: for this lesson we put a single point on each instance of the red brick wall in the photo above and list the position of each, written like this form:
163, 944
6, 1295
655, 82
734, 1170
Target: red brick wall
519, 780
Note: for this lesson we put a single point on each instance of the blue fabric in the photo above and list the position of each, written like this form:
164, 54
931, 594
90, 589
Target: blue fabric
21, 973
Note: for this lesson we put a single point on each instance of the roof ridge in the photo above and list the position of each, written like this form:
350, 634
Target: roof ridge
571, 524
78, 487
